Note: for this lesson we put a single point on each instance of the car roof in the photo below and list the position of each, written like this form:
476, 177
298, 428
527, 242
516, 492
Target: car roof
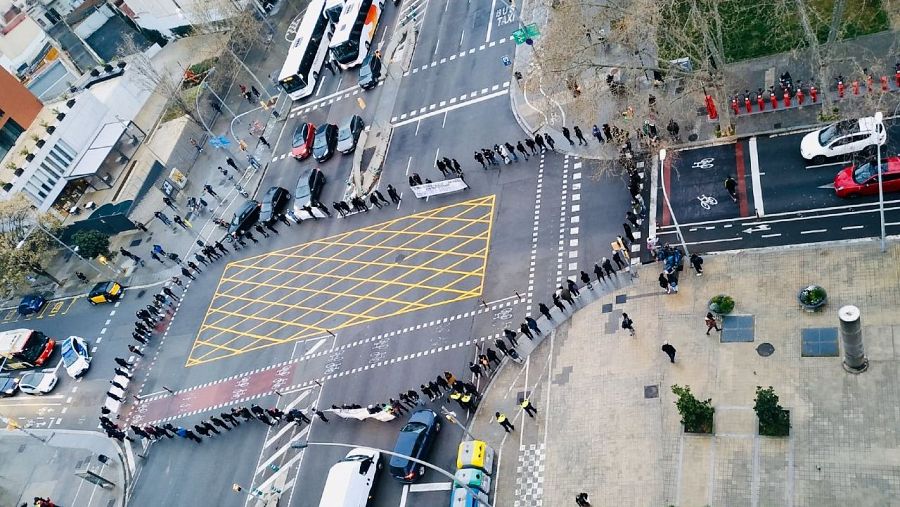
423, 415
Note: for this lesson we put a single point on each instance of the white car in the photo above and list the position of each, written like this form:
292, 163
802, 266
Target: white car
842, 138
76, 356
350, 481
38, 382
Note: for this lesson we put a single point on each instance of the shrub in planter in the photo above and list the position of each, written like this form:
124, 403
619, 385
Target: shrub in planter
121, 65
18, 171
95, 72
721, 304
812, 298
7, 187
40, 143
107, 68
774, 421
60, 116
70, 103
51, 129
696, 415
29, 157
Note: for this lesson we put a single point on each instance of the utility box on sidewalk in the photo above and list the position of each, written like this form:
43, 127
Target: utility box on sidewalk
474, 478
475, 454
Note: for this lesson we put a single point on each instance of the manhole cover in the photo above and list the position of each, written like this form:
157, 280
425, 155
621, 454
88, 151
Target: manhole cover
651, 392
621, 299
607, 308
765, 349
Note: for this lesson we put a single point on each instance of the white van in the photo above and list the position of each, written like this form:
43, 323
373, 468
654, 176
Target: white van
350, 481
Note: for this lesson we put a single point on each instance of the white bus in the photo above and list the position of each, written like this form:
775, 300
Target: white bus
307, 53
356, 29
333, 9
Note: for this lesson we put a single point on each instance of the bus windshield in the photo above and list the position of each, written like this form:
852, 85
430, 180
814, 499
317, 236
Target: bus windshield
292, 84
33, 348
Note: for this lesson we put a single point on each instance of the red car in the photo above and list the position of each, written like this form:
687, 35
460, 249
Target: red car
862, 179
301, 144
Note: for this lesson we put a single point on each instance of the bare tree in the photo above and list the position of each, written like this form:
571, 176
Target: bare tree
161, 81
24, 247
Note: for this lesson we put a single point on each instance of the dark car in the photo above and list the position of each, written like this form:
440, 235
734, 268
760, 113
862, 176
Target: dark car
245, 217
415, 439
326, 142
31, 304
309, 189
273, 204
301, 143
348, 133
369, 72
9, 384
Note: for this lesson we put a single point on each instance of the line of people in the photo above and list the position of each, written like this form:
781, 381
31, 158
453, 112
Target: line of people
507, 151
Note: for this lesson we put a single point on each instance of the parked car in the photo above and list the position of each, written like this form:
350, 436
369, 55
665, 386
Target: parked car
9, 384
843, 138
309, 189
32, 303
273, 204
245, 217
350, 481
76, 356
348, 133
369, 72
106, 292
38, 382
302, 142
326, 142
415, 440
862, 179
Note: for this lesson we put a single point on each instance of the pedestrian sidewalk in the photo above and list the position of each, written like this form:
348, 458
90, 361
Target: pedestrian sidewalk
54, 468
607, 423
545, 101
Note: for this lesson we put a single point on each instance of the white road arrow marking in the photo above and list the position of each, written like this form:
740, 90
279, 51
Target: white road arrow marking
761, 227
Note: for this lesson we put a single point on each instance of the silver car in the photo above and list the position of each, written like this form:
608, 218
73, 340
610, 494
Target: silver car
38, 382
348, 133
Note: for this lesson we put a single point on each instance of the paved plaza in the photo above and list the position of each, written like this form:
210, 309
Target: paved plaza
608, 424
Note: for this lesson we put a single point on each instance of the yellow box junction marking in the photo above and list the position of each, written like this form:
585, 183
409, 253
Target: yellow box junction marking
411, 263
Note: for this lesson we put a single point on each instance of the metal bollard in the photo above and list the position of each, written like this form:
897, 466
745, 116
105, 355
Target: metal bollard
855, 360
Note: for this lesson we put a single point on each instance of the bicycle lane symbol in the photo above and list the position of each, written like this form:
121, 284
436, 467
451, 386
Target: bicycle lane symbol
706, 163
707, 201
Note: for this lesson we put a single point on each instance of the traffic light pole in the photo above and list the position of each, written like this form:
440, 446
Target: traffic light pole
451, 416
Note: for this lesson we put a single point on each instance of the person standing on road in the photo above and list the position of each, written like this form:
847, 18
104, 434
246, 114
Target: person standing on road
628, 232
338, 208
511, 336
550, 142
378, 195
627, 323
427, 391
731, 187
194, 266
526, 331
586, 279
229, 417
504, 422
220, 423
255, 91
209, 190
185, 272
392, 193
374, 200
598, 272
545, 311
669, 350
568, 136
264, 142
566, 295
320, 414
512, 151
501, 346
475, 368
573, 287
168, 202
607, 132
480, 159
579, 135
531, 145
259, 229
135, 350
522, 150
123, 363
532, 324
230, 162
539, 140
617, 258
558, 303
162, 217
492, 356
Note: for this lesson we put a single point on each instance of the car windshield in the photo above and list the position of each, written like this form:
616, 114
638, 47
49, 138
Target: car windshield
266, 208
299, 138
345, 132
828, 134
31, 379
864, 172
7, 382
413, 427
69, 354
321, 141
34, 348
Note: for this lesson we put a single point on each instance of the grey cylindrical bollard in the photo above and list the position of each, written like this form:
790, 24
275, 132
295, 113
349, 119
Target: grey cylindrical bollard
851, 338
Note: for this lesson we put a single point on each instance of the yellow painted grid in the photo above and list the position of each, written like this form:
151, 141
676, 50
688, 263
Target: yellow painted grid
410, 263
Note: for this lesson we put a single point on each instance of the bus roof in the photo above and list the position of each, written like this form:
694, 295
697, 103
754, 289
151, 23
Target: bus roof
301, 40
13, 340
347, 20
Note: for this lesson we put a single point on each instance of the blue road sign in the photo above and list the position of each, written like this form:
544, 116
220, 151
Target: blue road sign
506, 61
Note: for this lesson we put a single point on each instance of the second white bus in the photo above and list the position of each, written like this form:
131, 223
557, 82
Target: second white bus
355, 31
307, 53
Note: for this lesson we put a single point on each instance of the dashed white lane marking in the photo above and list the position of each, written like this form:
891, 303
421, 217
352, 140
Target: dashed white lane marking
814, 231
849, 228
462, 102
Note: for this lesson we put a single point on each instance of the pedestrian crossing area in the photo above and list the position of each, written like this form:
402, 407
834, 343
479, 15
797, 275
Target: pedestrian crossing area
412, 12
278, 464
530, 476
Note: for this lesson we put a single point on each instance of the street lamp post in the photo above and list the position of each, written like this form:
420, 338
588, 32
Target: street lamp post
662, 161
879, 124
303, 445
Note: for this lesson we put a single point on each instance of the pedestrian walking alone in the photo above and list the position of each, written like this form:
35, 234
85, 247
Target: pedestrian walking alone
263, 141
669, 350
504, 422
711, 323
697, 263
627, 323
731, 187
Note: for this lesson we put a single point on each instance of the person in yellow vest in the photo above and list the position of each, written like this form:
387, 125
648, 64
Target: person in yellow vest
466, 401
457, 397
528, 408
504, 421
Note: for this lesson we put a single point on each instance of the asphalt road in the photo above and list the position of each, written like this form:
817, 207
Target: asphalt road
408, 291
782, 200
